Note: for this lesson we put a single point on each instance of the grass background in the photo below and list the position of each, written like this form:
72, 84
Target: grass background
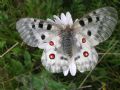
21, 69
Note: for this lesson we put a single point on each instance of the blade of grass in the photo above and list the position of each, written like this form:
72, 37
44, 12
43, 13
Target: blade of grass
109, 53
9, 49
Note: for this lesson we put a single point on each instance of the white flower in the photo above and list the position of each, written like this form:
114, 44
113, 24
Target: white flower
63, 20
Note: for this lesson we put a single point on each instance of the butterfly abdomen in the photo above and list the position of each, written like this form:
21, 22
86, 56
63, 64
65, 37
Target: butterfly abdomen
67, 40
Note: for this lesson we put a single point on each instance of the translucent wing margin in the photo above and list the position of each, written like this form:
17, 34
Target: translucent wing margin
97, 25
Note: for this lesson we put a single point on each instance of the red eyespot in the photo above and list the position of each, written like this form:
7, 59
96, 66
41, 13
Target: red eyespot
83, 40
86, 54
51, 43
52, 56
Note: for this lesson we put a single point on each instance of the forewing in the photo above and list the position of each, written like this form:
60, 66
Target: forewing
36, 32
98, 25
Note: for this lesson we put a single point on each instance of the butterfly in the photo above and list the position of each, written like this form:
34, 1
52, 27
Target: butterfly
69, 46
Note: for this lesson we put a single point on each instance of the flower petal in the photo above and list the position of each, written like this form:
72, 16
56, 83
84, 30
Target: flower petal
64, 19
72, 67
57, 19
69, 18
66, 72
50, 20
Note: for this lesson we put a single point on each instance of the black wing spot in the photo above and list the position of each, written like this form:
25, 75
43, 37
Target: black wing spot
76, 58
63, 58
35, 20
89, 19
49, 26
97, 19
94, 12
42, 36
33, 26
81, 22
40, 25
89, 33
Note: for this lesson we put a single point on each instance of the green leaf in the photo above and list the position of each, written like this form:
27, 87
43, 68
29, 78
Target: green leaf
15, 67
16, 50
38, 83
27, 60
2, 44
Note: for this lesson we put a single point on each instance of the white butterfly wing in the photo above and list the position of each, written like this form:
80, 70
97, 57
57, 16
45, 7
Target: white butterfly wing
87, 57
90, 30
45, 35
35, 32
98, 25
53, 58
53, 62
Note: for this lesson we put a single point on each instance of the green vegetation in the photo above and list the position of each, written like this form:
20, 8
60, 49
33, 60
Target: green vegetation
21, 69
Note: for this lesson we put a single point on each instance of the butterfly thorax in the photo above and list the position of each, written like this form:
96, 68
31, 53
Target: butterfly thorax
67, 41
